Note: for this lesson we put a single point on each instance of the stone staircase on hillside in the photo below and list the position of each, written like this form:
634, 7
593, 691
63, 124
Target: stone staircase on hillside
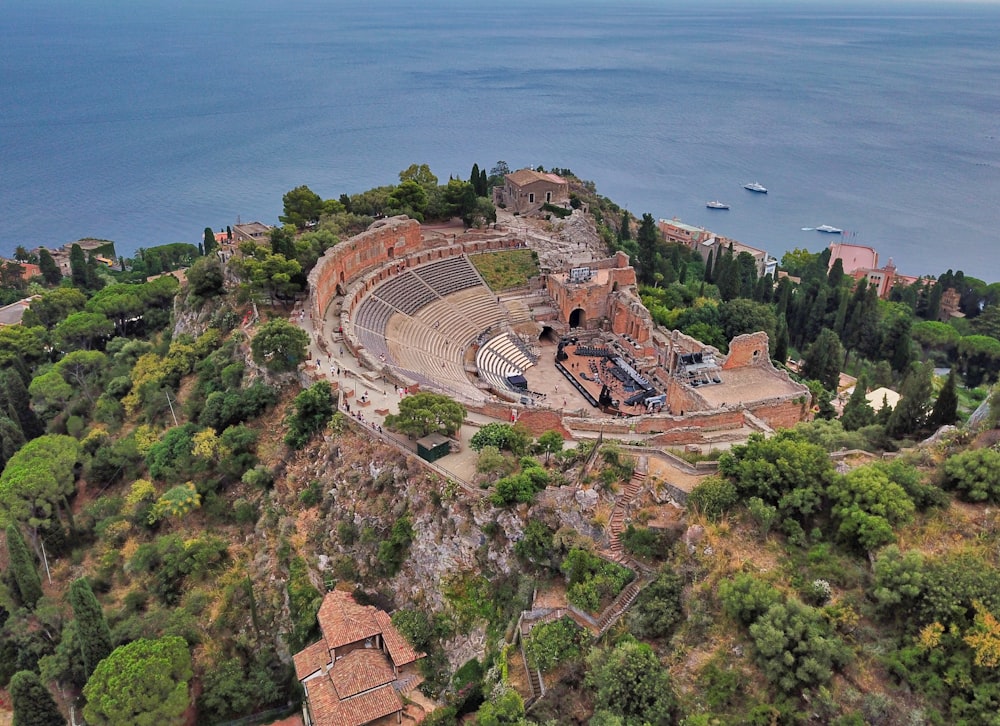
622, 603
616, 522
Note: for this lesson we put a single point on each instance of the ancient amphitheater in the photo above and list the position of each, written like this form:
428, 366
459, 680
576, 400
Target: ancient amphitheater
411, 307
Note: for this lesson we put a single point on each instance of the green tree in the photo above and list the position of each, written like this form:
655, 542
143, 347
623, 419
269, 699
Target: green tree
746, 316
858, 413
945, 409
144, 683
550, 644
38, 479
648, 240
823, 358
93, 632
910, 414
795, 648
713, 497
899, 581
975, 474
23, 569
279, 345
313, 408
785, 471
867, 505
419, 173
84, 370
283, 241
551, 442
78, 267
506, 709
54, 306
409, 198
122, 303
425, 413
11, 438
49, 268
20, 345
32, 702
625, 228
14, 398
177, 501
658, 609
83, 331
206, 277
628, 681
209, 241
302, 206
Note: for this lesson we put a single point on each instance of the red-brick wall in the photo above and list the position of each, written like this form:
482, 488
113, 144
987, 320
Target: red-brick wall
750, 349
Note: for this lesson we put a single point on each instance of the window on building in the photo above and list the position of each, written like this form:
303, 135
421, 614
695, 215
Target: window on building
531, 198
548, 196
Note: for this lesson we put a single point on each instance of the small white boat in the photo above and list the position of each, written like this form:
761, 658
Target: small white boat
756, 187
828, 229
717, 205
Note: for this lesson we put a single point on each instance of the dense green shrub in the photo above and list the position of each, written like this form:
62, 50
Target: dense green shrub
713, 497
593, 581
392, 551
303, 603
313, 409
975, 474
658, 611
550, 644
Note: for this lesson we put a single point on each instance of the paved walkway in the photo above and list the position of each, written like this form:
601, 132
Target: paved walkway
356, 383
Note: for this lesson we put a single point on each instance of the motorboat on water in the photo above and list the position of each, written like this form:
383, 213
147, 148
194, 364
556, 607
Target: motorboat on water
756, 187
717, 205
828, 229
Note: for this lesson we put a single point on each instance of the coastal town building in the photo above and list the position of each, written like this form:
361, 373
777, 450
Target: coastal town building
861, 263
250, 232
28, 269
706, 242
351, 674
674, 230
525, 191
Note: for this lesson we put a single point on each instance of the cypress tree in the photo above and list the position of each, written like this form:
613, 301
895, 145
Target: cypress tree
14, 393
945, 409
858, 413
484, 183
78, 267
11, 439
836, 273
92, 627
474, 180
229, 230
22, 568
32, 701
910, 414
708, 268
933, 310
49, 268
625, 231
780, 351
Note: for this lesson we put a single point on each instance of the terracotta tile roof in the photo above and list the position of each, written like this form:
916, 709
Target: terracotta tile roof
327, 710
311, 659
323, 701
522, 177
360, 670
343, 621
399, 649
365, 708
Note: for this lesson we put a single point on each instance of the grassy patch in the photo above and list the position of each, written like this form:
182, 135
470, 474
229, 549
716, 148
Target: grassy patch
508, 269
